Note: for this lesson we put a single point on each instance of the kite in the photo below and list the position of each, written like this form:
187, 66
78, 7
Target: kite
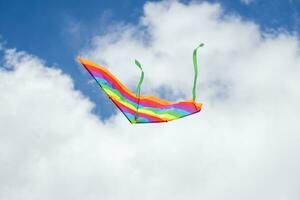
138, 108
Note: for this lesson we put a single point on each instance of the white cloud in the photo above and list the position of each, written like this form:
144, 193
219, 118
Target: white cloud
172, 31
247, 2
243, 145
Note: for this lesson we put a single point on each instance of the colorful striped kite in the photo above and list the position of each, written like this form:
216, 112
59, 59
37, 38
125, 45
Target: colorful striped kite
142, 109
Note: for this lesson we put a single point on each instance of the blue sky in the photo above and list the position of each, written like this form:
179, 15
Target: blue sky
44, 28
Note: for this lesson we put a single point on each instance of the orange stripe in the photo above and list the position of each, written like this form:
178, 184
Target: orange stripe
146, 99
149, 98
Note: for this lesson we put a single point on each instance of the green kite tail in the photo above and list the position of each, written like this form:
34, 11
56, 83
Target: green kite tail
195, 69
195, 62
138, 88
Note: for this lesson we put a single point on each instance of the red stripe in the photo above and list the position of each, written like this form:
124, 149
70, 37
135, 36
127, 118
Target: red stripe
187, 106
144, 102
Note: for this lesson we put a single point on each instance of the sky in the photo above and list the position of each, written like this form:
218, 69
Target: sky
57, 31
61, 137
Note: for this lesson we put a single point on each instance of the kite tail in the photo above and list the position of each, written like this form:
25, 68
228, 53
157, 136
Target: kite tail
138, 88
195, 69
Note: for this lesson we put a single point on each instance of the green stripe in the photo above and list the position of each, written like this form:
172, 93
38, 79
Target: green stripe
154, 111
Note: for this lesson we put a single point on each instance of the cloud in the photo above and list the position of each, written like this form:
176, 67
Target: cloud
247, 2
164, 40
1, 43
243, 145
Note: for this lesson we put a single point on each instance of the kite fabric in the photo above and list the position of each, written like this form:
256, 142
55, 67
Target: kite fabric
137, 108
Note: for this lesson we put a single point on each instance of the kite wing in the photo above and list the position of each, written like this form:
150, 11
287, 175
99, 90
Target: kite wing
137, 108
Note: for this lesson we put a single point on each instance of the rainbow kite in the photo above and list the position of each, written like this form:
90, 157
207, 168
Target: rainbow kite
142, 109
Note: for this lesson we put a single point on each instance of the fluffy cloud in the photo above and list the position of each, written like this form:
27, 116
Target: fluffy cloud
243, 145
